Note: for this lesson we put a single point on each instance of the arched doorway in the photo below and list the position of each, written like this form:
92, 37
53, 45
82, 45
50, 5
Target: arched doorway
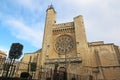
62, 73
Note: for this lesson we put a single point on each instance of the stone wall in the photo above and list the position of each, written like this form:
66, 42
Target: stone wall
105, 60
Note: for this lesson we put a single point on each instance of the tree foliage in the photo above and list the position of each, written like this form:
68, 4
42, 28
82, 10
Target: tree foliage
15, 51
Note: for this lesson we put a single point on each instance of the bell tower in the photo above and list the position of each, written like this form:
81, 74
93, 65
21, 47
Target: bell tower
50, 21
81, 41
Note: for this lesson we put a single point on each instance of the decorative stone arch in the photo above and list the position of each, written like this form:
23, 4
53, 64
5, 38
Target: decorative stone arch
62, 68
62, 73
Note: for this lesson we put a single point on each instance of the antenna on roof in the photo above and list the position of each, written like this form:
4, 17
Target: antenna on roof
51, 2
51, 6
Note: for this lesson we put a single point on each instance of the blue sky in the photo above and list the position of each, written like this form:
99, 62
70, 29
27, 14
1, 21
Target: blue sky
23, 20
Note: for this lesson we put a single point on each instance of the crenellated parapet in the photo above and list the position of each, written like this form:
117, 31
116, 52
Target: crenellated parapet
63, 28
65, 24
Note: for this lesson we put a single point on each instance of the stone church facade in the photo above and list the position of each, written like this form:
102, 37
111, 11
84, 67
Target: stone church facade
66, 44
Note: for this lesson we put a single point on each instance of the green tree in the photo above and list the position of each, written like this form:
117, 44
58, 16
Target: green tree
15, 51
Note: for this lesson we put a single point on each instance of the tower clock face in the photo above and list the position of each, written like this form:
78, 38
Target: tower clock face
64, 44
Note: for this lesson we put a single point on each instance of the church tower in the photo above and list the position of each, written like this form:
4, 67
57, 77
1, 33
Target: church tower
64, 43
50, 21
81, 41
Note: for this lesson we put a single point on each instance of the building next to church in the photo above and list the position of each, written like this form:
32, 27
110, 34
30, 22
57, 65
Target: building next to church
25, 63
66, 44
3, 56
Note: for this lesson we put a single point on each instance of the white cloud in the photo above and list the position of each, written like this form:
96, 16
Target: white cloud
4, 49
101, 17
80, 2
32, 5
24, 32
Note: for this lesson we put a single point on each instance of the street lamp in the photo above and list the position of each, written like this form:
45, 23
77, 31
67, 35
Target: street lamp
65, 59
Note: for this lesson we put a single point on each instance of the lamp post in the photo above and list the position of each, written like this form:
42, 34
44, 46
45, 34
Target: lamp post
65, 58
65, 52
